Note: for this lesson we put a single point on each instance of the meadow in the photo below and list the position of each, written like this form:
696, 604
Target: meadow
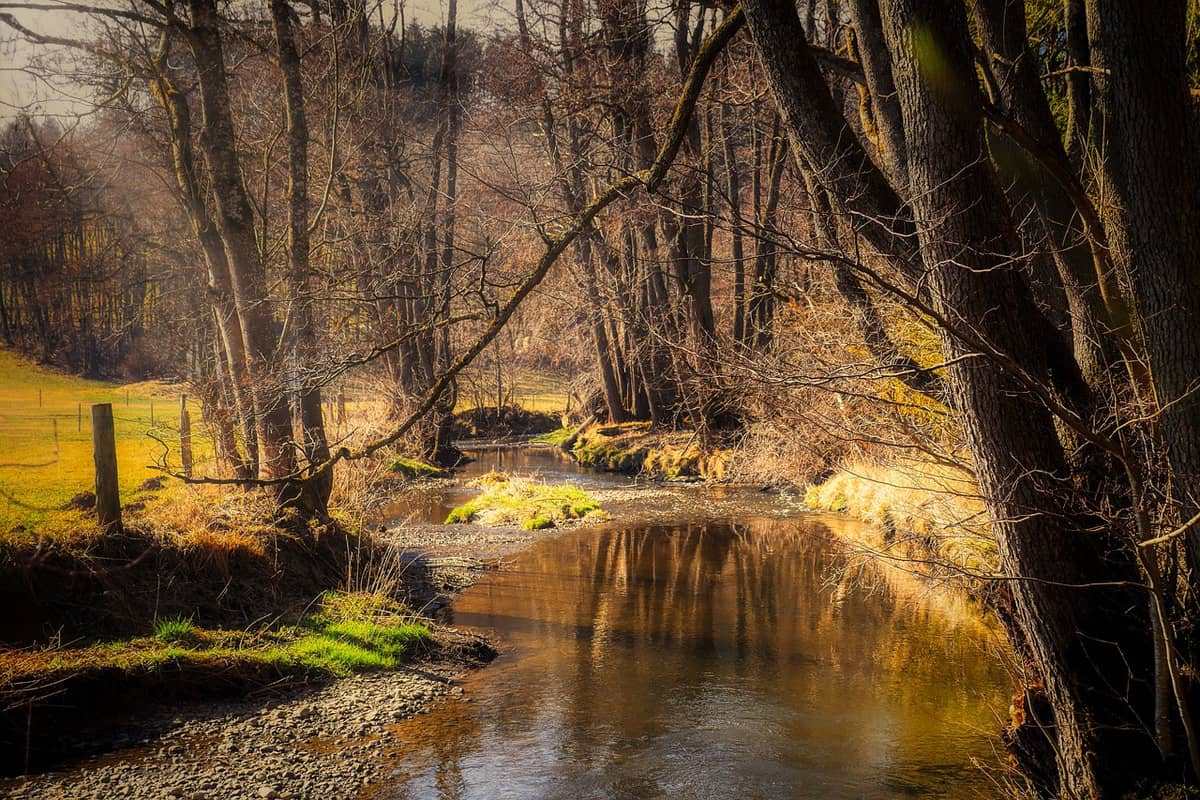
46, 437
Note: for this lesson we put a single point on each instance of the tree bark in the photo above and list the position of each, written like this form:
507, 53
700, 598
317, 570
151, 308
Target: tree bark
1152, 168
1083, 627
313, 494
236, 225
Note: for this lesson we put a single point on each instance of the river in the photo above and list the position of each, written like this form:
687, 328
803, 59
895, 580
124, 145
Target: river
731, 654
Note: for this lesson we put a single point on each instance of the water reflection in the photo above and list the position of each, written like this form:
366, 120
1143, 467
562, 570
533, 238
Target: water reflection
707, 661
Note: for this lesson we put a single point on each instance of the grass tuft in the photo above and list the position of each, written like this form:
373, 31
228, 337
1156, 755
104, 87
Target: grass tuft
511, 500
171, 631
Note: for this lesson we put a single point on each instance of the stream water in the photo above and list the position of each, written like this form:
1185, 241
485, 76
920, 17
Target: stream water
733, 656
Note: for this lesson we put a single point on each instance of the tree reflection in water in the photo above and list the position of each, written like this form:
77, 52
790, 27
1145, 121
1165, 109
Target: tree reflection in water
710, 661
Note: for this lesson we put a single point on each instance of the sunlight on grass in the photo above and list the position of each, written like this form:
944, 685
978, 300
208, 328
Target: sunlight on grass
347, 633
38, 475
512, 500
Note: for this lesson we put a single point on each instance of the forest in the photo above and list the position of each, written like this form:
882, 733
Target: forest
928, 270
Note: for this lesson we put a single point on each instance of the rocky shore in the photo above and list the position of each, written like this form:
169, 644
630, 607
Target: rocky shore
322, 743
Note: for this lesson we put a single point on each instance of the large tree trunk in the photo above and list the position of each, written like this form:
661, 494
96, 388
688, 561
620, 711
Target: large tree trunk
313, 493
1152, 168
1074, 613
236, 225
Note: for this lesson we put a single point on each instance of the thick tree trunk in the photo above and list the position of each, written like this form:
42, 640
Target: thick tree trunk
236, 224
313, 493
1152, 168
1083, 628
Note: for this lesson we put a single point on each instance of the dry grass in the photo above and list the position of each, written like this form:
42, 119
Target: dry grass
935, 508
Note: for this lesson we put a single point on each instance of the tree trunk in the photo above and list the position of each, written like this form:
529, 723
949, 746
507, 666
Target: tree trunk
1081, 625
313, 493
1152, 168
236, 225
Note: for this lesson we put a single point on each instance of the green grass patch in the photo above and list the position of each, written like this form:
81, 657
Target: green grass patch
173, 630
347, 633
510, 500
555, 438
341, 648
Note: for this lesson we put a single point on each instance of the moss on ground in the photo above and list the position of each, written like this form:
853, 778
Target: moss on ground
555, 437
407, 467
510, 500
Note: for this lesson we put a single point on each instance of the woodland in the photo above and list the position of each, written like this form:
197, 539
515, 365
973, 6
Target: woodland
955, 238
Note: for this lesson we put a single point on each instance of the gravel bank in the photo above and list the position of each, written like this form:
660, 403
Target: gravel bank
325, 742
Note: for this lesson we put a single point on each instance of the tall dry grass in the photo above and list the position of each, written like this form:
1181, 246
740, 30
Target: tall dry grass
919, 508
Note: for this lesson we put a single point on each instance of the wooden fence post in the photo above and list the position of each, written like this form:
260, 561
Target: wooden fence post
104, 452
341, 407
151, 413
39, 398
54, 420
79, 419
185, 436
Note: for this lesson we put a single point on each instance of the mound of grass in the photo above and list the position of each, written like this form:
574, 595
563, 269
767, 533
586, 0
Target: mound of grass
347, 633
511, 500
413, 468
556, 437
176, 629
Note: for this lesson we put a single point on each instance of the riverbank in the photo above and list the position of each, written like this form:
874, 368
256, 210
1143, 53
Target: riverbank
923, 514
314, 737
322, 742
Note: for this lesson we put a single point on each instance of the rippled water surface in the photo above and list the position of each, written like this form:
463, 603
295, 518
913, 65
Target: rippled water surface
721, 660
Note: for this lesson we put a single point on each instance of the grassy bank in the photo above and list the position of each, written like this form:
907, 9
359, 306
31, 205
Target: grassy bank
510, 500
346, 633
917, 510
637, 447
